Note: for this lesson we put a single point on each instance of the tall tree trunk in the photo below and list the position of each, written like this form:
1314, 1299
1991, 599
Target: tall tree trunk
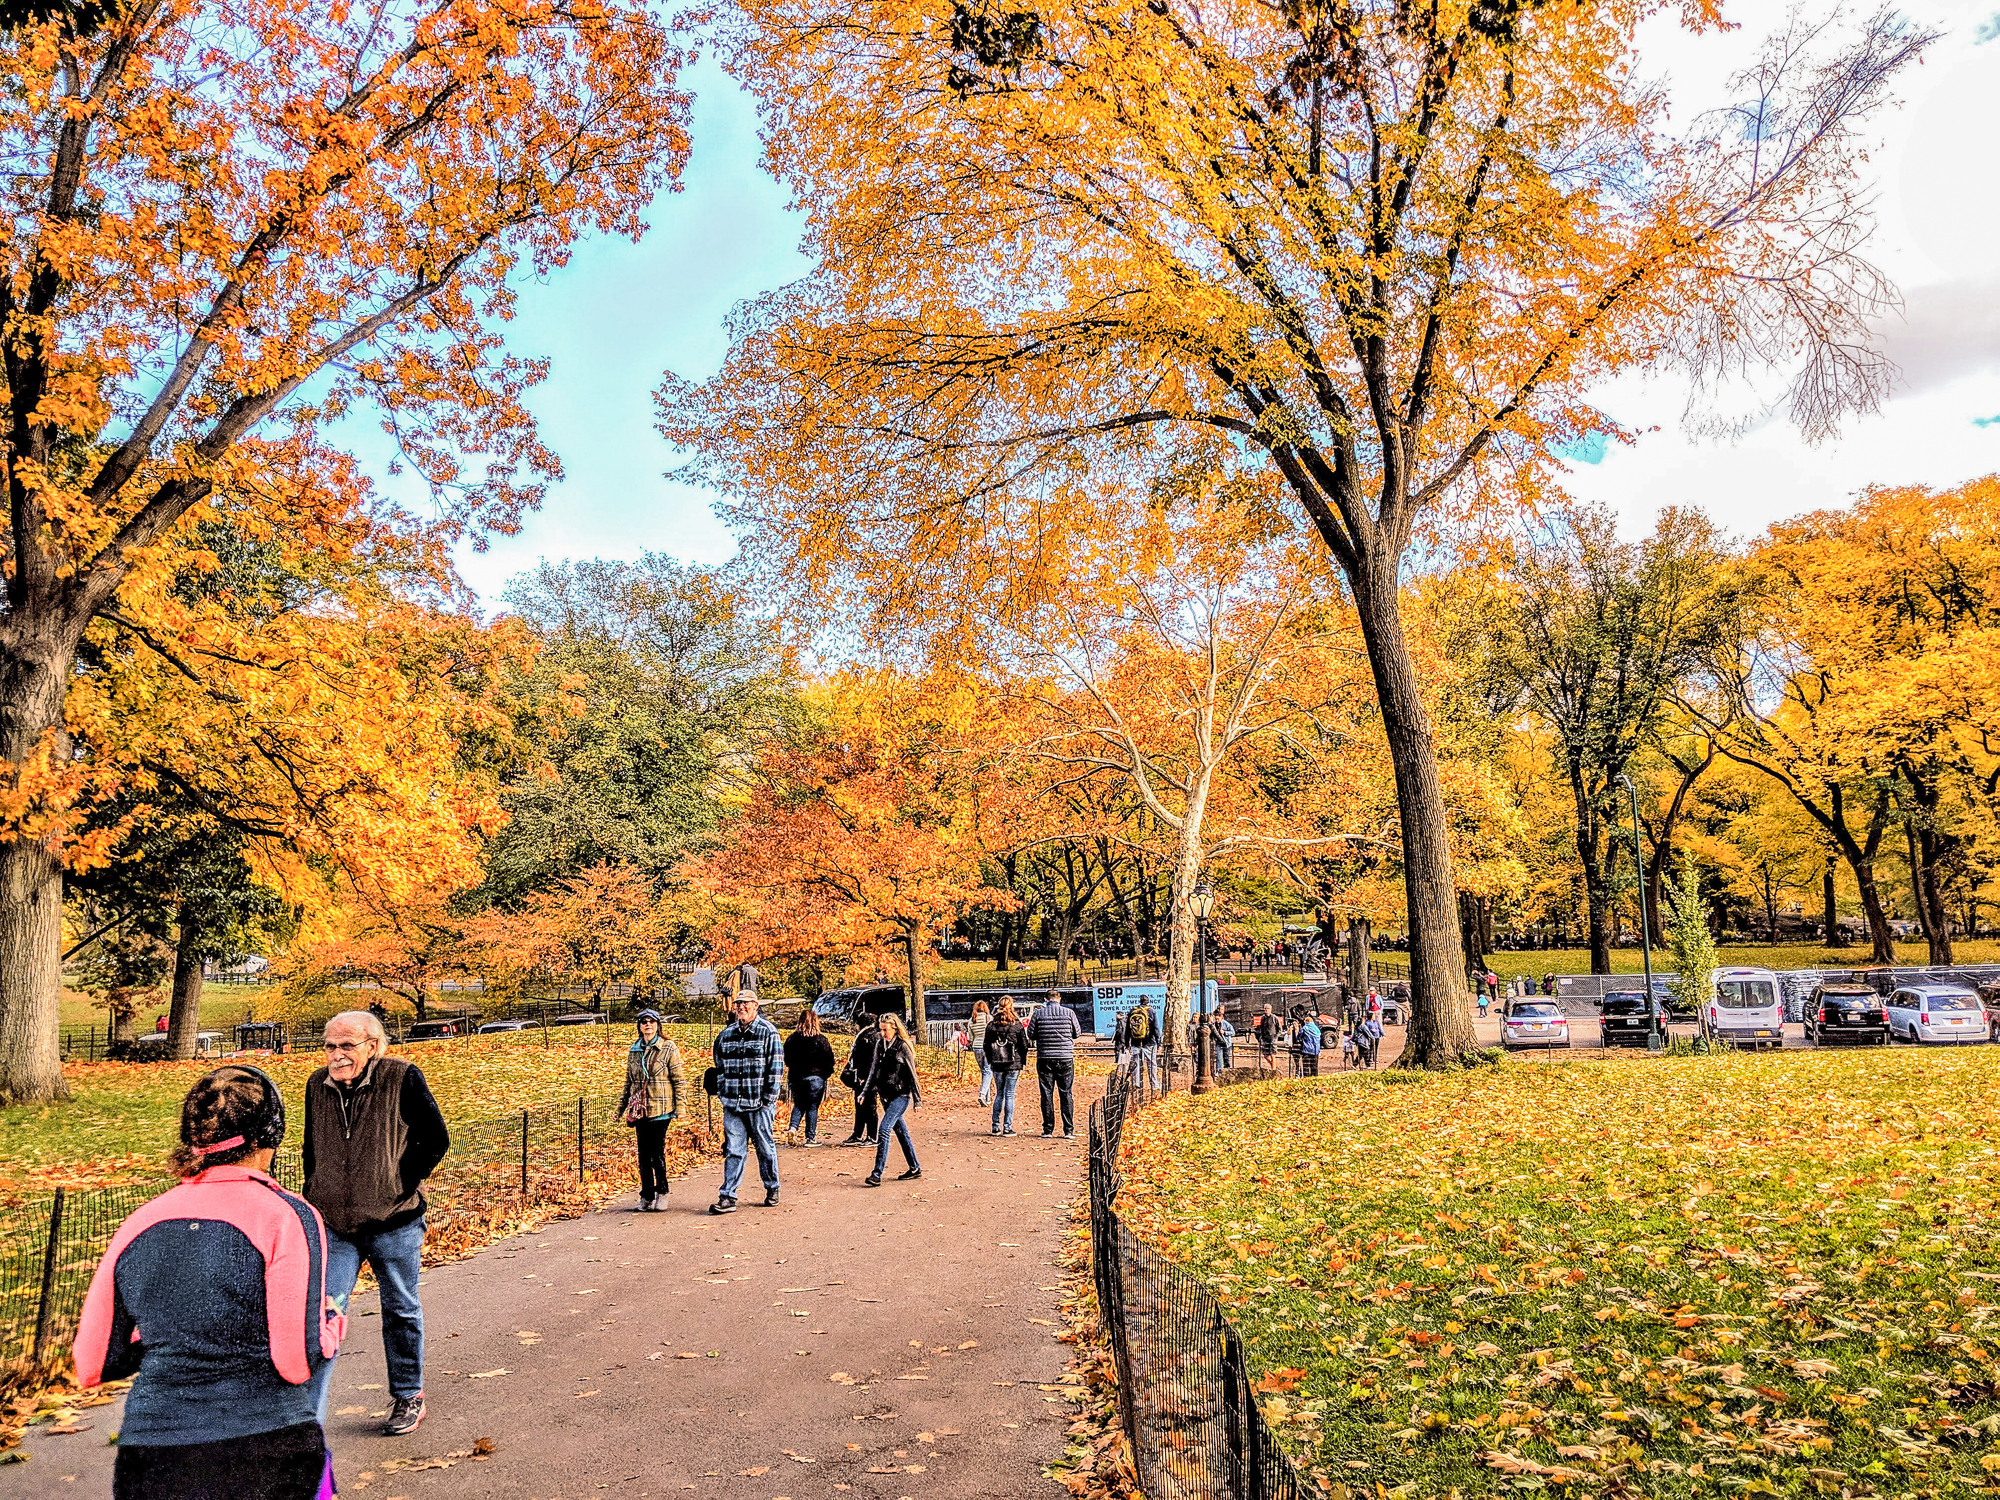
1440, 1025
1357, 955
1770, 910
184, 1016
916, 986
1591, 856
1834, 937
32, 685
1880, 938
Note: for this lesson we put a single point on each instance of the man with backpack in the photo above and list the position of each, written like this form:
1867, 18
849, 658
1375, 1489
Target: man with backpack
1142, 1035
1309, 1043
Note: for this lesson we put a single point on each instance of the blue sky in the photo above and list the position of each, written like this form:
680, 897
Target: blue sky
615, 318
620, 314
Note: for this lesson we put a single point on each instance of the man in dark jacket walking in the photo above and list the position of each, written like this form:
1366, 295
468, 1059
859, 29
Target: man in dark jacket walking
1054, 1032
750, 1057
373, 1133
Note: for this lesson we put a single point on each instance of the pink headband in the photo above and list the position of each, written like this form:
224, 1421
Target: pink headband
234, 1140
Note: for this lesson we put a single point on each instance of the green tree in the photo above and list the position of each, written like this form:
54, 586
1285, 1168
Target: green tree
637, 719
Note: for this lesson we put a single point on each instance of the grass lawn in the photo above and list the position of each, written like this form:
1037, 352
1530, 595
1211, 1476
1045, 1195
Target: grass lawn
1746, 1275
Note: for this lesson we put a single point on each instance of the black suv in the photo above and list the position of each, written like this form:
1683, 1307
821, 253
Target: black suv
1626, 1020
1846, 1013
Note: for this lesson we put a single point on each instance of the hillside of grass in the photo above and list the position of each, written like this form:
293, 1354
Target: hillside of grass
1729, 1276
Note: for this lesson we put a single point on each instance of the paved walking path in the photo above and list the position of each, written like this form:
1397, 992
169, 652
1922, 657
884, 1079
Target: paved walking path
851, 1344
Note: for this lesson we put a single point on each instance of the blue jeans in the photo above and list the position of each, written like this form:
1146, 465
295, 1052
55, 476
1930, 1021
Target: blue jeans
395, 1255
1003, 1099
985, 1079
892, 1120
1147, 1059
741, 1128
806, 1097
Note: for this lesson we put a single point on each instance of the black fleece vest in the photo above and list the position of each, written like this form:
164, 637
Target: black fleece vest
357, 1176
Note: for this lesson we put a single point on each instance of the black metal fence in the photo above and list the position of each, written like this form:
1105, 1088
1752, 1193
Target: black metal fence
1183, 1381
50, 1243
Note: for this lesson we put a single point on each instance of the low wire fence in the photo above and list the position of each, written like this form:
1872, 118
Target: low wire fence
500, 1169
1183, 1381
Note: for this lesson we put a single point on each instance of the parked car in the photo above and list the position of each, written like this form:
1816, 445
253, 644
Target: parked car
854, 1008
495, 1026
1846, 1013
579, 1018
1747, 1008
1937, 1013
1629, 1019
1533, 1023
431, 1031
154, 1046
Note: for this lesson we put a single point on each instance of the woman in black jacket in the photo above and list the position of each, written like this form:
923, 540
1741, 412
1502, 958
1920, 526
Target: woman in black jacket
860, 1063
894, 1079
1006, 1055
809, 1062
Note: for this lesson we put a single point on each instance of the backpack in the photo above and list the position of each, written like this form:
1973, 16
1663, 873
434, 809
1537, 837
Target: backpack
1141, 1028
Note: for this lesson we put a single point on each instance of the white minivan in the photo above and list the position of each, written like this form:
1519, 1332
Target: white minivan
1936, 1013
1747, 1008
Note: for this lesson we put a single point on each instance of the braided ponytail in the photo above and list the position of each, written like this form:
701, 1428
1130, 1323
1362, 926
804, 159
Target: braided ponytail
226, 1103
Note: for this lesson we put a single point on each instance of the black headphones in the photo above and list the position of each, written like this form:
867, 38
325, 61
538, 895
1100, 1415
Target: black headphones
268, 1129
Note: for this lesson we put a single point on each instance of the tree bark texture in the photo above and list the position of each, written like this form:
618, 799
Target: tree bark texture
184, 1016
916, 986
1440, 1026
1834, 938
1357, 956
32, 682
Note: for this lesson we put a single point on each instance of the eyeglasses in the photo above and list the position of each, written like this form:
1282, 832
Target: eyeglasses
345, 1046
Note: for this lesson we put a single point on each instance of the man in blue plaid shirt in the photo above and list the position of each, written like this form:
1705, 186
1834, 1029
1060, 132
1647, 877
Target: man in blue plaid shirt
749, 1060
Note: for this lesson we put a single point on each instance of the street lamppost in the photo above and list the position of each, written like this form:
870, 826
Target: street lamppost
1202, 904
1655, 1039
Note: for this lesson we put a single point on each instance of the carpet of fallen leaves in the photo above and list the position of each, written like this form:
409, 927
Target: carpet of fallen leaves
1096, 1463
1738, 1276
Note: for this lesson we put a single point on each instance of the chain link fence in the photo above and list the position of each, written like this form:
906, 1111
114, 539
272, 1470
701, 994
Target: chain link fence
499, 1168
1183, 1380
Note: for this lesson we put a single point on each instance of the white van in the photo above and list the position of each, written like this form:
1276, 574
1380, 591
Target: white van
1747, 1008
1937, 1013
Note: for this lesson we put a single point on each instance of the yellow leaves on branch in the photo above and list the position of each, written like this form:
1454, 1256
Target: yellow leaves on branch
855, 838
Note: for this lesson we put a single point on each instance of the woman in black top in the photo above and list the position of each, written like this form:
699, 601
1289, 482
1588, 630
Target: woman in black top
894, 1080
809, 1062
861, 1063
1006, 1051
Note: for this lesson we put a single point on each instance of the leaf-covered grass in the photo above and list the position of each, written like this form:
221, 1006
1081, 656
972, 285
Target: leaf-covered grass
123, 1118
1768, 1275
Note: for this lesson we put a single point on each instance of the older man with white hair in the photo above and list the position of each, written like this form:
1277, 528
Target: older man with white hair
373, 1133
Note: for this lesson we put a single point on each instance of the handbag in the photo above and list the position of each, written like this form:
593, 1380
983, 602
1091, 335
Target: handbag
636, 1110
849, 1079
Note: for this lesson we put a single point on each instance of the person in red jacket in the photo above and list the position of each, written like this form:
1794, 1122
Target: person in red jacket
213, 1298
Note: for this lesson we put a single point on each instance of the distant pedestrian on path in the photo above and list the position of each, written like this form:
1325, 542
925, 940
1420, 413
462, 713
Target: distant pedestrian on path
226, 1276
1309, 1046
1371, 1041
894, 1081
749, 1060
373, 1134
654, 1079
982, 1018
1266, 1027
860, 1063
1348, 1049
742, 981
1006, 1054
1054, 1032
809, 1063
